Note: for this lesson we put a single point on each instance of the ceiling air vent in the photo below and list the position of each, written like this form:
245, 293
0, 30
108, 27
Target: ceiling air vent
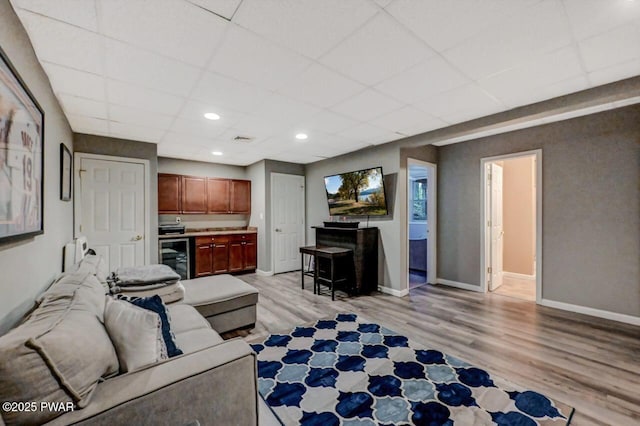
243, 139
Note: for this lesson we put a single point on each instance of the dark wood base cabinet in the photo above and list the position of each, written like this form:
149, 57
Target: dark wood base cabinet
223, 254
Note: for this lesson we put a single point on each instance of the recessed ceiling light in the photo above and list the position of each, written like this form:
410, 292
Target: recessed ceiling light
216, 152
301, 136
212, 116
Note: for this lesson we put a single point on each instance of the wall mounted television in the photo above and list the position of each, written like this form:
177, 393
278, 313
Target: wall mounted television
359, 193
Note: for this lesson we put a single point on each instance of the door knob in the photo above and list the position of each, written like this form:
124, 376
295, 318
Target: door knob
137, 238
278, 230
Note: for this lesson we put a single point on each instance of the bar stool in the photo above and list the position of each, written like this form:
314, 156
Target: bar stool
332, 254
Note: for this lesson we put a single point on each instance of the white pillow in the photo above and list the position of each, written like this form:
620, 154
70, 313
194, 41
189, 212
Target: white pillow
136, 333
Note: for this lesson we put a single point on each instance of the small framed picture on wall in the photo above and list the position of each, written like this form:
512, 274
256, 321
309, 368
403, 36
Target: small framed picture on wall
66, 167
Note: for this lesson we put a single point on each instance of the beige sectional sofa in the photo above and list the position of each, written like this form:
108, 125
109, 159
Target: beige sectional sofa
62, 352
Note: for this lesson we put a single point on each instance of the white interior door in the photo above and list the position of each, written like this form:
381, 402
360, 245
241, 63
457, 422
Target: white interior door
497, 231
287, 221
112, 204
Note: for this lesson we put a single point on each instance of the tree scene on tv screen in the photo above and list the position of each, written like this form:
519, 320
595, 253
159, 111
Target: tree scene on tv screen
356, 193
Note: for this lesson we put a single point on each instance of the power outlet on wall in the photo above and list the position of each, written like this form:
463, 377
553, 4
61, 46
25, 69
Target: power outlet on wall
178, 219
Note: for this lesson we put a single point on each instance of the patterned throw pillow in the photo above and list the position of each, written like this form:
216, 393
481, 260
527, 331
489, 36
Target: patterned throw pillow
155, 304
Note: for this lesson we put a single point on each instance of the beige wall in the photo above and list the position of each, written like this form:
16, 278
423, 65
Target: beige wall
519, 215
29, 266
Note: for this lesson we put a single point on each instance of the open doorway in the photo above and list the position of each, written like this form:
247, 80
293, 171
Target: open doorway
421, 217
511, 224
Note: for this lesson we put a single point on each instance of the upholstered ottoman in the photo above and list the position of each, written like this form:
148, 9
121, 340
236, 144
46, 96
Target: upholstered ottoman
225, 301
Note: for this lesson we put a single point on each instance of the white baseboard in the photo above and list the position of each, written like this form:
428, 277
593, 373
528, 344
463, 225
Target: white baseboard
262, 273
518, 276
456, 284
614, 316
393, 291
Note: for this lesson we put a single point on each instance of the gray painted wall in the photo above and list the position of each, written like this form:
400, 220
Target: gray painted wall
273, 166
389, 244
29, 266
104, 145
255, 173
591, 208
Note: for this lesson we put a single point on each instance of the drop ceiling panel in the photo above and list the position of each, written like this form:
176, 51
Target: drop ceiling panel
130, 95
615, 73
445, 24
148, 69
435, 75
517, 84
64, 44
307, 27
224, 8
247, 57
369, 134
326, 121
360, 58
229, 93
84, 124
200, 128
194, 110
405, 120
367, 105
469, 101
320, 86
538, 29
592, 17
282, 110
597, 54
132, 131
176, 29
73, 82
79, 13
125, 114
83, 106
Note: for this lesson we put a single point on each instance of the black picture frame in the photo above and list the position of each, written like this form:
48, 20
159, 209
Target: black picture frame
21, 157
66, 173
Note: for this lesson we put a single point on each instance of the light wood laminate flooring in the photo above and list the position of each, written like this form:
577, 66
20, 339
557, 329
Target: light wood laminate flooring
589, 363
518, 288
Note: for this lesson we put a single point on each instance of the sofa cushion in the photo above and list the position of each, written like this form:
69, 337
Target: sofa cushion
136, 334
218, 294
95, 265
194, 340
186, 318
155, 304
58, 354
91, 291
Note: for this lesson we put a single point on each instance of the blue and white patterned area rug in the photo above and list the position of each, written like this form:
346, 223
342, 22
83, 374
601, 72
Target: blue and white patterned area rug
348, 371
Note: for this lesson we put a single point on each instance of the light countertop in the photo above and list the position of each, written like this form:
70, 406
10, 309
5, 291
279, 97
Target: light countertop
211, 231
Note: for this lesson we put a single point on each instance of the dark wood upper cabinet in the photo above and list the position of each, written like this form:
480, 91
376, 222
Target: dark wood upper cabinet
240, 196
179, 194
218, 195
169, 190
194, 194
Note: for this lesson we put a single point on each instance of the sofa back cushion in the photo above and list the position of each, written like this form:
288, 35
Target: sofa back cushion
95, 265
91, 291
57, 355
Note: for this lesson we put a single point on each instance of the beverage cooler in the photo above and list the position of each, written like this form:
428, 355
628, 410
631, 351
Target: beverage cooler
175, 254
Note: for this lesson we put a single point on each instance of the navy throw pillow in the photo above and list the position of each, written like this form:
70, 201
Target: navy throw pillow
155, 304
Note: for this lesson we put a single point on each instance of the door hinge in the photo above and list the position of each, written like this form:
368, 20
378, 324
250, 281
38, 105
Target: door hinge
489, 176
80, 228
489, 270
488, 223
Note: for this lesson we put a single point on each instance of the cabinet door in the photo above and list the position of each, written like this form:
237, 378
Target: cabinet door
194, 194
236, 255
218, 196
204, 261
220, 257
169, 189
250, 255
240, 196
